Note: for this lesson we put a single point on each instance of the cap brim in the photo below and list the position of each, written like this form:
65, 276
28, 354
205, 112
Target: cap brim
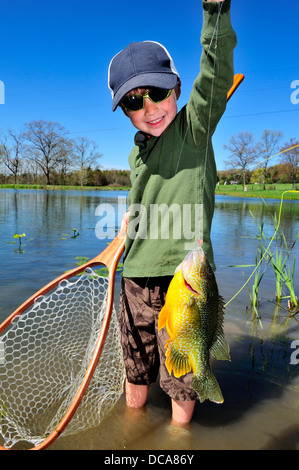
159, 80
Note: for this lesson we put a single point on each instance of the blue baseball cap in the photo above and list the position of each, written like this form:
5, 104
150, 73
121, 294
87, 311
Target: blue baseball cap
140, 64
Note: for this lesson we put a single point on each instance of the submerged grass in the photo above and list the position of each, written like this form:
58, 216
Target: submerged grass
283, 266
282, 262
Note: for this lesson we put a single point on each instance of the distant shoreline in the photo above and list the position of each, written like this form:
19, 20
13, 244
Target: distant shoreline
237, 191
260, 193
54, 187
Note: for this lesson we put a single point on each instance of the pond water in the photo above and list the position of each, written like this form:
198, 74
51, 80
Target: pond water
261, 383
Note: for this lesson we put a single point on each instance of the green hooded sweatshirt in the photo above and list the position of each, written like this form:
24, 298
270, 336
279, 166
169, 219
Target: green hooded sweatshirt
173, 176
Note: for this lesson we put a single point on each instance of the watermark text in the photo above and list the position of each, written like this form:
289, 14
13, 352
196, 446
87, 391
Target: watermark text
155, 222
295, 93
295, 355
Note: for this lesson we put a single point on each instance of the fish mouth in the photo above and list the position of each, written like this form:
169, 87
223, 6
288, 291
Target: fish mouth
190, 287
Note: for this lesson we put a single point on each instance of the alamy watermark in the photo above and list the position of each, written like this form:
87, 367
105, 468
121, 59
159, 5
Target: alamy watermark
2, 93
295, 93
156, 222
295, 355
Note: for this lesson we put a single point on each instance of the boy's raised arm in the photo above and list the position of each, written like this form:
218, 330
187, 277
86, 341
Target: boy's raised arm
209, 94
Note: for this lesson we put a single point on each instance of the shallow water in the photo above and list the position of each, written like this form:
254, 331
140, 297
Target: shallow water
260, 409
261, 383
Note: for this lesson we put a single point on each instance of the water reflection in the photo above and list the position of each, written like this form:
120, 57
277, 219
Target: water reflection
238, 218
48, 219
42, 212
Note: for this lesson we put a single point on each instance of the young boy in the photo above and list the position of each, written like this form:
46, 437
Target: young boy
172, 169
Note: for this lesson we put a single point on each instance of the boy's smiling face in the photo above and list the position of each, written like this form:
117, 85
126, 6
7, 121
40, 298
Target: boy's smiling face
154, 118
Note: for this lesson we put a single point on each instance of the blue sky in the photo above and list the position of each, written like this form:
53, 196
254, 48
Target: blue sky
55, 55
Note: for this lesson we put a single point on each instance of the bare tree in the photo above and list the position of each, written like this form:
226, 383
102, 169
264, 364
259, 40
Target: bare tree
290, 158
242, 153
11, 147
85, 154
267, 148
47, 145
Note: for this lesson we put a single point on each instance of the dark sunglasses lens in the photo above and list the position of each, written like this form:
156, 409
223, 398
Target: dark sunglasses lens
133, 102
158, 94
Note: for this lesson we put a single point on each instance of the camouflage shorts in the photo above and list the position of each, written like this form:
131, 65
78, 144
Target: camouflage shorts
143, 346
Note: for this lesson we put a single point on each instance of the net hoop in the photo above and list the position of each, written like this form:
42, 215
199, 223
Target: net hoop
109, 258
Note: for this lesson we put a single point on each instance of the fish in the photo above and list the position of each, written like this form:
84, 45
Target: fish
193, 316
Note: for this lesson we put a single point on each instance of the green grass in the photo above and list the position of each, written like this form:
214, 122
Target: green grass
272, 191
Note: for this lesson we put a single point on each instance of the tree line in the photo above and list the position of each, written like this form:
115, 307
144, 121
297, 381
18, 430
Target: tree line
43, 153
250, 161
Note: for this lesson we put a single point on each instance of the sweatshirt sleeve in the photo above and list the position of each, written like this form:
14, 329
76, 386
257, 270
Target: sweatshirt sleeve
208, 97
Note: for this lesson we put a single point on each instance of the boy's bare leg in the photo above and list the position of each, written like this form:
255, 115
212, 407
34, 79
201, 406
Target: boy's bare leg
182, 411
136, 395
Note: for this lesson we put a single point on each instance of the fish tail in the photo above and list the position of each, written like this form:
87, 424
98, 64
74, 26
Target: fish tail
207, 387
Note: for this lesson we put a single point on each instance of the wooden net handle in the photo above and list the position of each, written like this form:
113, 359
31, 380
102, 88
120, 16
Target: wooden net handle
238, 79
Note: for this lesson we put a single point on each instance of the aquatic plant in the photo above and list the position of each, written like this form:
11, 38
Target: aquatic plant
75, 233
288, 279
278, 264
279, 259
254, 291
66, 235
19, 236
258, 275
284, 274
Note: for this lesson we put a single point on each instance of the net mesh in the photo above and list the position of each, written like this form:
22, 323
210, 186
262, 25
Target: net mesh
45, 354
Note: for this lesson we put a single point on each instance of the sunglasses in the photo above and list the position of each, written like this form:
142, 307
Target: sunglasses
136, 102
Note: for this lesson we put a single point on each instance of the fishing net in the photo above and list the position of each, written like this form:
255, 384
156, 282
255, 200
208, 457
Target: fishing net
45, 354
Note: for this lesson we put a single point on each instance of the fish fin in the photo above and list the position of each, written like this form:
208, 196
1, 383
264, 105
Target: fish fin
162, 317
220, 347
176, 361
178, 268
207, 388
